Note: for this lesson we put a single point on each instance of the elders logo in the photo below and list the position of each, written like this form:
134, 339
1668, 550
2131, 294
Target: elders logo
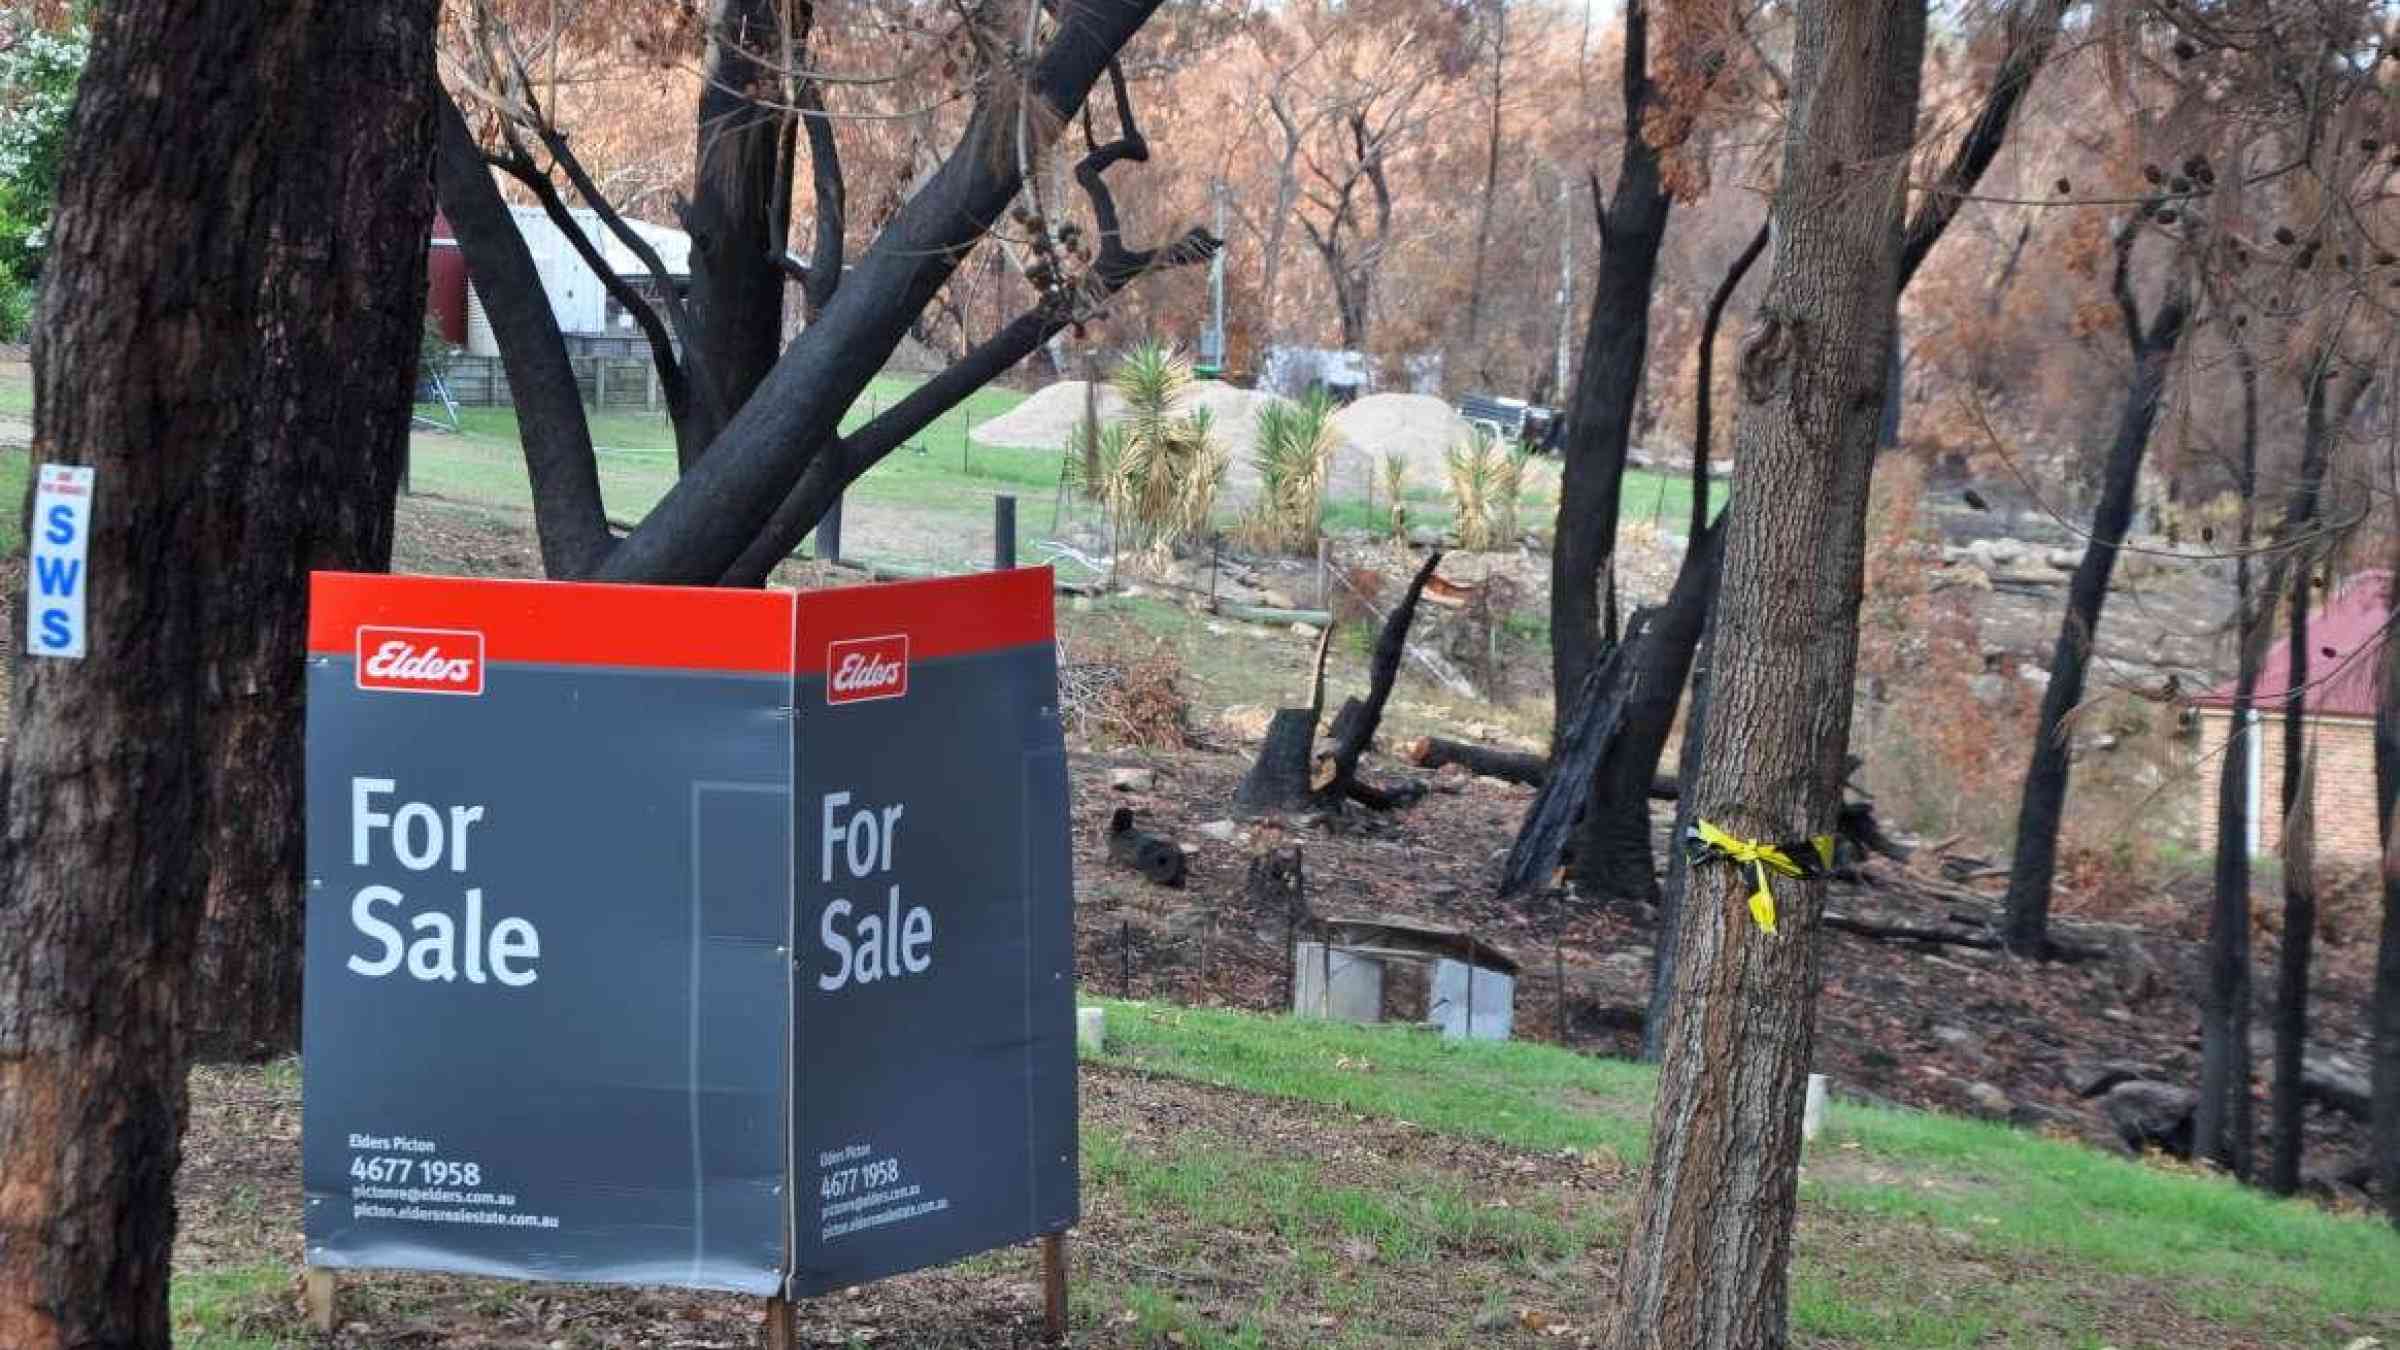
420, 660
866, 668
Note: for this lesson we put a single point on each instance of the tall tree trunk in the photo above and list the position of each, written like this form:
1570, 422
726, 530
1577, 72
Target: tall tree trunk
2299, 783
1706, 1263
738, 227
1600, 420
2384, 1126
278, 153
1491, 184
2032, 34
1350, 300
341, 295
1613, 853
1679, 874
552, 430
2044, 802
2221, 1124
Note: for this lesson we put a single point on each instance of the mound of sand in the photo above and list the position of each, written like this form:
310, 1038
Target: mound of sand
1416, 427
1050, 416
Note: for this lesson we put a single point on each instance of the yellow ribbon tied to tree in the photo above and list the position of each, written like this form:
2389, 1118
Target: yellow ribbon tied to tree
1802, 858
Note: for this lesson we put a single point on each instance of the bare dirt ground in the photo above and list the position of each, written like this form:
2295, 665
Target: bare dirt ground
239, 1188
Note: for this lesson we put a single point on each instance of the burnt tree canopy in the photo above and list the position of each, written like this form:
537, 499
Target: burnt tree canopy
761, 451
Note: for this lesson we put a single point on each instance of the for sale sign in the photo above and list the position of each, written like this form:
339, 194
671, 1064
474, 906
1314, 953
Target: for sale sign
934, 1028
687, 937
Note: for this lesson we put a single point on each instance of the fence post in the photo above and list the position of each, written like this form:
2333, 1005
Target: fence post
829, 532
600, 366
650, 386
1004, 533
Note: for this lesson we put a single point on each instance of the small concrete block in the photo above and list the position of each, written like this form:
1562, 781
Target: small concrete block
1091, 1029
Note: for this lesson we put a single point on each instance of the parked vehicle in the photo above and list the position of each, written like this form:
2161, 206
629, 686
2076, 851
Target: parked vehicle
1511, 420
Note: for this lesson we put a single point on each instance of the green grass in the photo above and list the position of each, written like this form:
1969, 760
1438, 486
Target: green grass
211, 1308
16, 390
485, 463
1514, 1093
939, 471
16, 465
2222, 1253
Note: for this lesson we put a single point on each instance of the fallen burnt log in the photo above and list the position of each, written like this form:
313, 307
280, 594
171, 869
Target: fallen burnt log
1510, 766
1155, 856
1857, 824
1986, 940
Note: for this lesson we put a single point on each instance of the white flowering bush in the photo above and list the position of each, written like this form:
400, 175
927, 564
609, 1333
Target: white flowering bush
38, 71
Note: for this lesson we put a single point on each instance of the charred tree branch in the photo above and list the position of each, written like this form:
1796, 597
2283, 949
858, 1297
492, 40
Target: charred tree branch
671, 373
842, 462
556, 438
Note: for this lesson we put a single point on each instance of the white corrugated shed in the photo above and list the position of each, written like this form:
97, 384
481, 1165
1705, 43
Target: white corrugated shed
577, 298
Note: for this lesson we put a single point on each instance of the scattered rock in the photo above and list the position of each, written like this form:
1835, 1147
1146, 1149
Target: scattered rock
1306, 630
1953, 1035
1275, 599
1993, 554
2334, 1190
1988, 689
2149, 1115
1990, 1100
2137, 972
1223, 831
2090, 1080
1132, 780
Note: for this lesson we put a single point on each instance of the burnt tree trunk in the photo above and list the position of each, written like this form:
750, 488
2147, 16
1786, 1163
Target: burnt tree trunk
1706, 1262
2384, 1131
2044, 802
1613, 855
2032, 34
1595, 716
1279, 778
569, 519
282, 223
1612, 847
341, 309
2320, 426
1383, 670
2289, 1094
737, 222
1600, 420
2221, 1124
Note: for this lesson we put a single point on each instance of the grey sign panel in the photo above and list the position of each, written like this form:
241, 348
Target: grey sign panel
934, 1058
548, 975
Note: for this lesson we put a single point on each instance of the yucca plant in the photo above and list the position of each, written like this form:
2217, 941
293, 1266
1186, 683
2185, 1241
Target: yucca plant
1476, 468
1294, 459
1507, 487
1157, 473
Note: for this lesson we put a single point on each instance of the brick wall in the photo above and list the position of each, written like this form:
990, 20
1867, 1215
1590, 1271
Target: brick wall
2345, 796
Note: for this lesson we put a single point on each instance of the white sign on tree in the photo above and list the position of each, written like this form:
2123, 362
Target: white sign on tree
56, 583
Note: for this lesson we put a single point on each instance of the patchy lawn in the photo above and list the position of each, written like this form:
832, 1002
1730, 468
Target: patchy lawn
1254, 1181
